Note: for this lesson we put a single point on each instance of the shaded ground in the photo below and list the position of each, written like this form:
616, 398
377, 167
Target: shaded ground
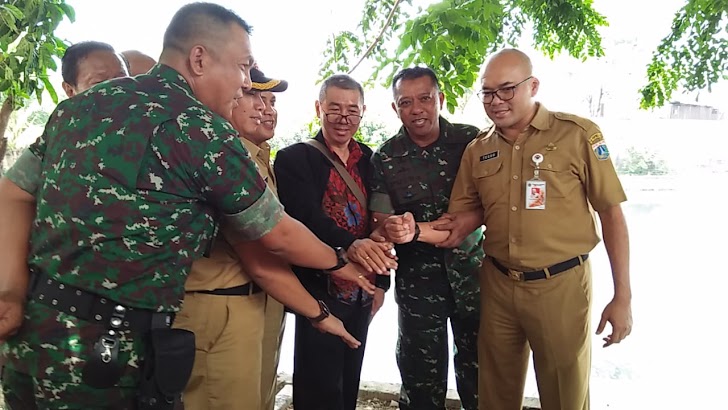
371, 404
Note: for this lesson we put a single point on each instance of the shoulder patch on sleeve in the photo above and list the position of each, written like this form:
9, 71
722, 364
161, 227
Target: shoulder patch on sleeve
599, 146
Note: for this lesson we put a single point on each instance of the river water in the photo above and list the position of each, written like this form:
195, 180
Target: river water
675, 357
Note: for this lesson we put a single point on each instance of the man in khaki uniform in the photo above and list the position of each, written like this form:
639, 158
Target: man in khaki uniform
255, 141
223, 306
536, 280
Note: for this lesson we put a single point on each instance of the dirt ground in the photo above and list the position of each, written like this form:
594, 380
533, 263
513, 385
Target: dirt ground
372, 404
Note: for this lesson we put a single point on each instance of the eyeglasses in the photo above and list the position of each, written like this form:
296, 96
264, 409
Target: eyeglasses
335, 118
504, 93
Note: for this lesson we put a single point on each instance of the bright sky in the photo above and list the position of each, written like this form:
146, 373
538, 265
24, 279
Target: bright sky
290, 35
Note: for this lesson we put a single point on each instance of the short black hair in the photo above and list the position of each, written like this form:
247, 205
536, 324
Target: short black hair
343, 81
77, 52
195, 21
414, 73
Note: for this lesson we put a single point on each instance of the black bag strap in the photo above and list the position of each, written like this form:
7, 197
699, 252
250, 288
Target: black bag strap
353, 187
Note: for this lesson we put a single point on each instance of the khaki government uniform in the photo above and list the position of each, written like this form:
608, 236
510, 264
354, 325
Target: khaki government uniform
229, 330
552, 315
275, 315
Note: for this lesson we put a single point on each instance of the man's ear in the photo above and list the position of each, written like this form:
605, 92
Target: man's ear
198, 60
68, 88
534, 86
441, 97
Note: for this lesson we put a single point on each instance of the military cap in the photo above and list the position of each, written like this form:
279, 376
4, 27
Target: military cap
263, 83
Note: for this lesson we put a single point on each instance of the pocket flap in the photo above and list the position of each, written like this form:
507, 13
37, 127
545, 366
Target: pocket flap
486, 170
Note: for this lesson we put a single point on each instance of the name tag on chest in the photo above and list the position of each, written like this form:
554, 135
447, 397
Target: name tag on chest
489, 155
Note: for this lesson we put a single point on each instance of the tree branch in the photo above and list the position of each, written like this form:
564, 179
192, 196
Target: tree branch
379, 37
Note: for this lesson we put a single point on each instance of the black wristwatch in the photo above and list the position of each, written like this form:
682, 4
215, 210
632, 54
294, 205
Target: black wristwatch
417, 233
324, 312
341, 259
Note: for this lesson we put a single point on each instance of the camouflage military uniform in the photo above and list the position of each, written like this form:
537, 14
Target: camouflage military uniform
128, 177
431, 284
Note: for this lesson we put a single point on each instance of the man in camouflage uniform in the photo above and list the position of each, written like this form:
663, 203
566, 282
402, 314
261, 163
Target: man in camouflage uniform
129, 177
414, 172
88, 63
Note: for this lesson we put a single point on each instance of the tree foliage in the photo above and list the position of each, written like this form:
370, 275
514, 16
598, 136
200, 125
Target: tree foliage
454, 36
641, 162
693, 56
27, 50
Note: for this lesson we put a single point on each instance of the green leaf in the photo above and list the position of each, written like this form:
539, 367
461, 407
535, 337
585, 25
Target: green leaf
50, 89
16, 12
69, 11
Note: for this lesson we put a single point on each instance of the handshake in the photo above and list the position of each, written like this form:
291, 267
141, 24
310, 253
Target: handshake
448, 231
375, 254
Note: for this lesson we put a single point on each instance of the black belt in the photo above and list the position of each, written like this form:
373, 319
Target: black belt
543, 273
250, 288
92, 307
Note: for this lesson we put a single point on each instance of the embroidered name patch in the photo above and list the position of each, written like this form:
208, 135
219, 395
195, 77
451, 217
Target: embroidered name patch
489, 155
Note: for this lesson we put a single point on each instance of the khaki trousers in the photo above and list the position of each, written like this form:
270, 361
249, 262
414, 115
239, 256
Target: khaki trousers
275, 318
228, 340
552, 316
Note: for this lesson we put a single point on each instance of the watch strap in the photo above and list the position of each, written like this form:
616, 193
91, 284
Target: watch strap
324, 312
417, 233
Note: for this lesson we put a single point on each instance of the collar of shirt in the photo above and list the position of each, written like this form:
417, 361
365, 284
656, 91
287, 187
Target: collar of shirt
261, 156
261, 151
404, 144
355, 152
171, 76
540, 122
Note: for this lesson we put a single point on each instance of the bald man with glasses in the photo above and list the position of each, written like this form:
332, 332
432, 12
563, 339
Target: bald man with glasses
538, 179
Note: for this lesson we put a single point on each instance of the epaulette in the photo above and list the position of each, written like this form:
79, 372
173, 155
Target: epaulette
581, 122
486, 133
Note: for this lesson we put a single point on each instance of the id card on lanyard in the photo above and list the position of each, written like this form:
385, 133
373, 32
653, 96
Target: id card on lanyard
536, 188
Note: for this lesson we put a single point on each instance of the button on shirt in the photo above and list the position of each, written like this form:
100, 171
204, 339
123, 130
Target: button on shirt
493, 176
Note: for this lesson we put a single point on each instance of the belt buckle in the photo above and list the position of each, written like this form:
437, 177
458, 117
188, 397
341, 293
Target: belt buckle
515, 275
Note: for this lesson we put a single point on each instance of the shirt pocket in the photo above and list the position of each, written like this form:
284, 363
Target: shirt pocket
560, 179
411, 196
407, 179
490, 181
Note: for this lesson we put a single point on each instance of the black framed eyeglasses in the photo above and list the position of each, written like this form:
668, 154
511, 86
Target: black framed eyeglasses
503, 93
335, 118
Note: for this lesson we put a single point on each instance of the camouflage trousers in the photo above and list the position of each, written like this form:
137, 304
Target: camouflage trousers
23, 392
426, 302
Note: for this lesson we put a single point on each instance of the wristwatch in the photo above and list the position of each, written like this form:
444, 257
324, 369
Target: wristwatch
324, 312
341, 259
417, 233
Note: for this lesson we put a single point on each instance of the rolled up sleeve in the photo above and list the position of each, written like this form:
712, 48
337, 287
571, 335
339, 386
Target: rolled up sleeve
255, 221
379, 199
26, 172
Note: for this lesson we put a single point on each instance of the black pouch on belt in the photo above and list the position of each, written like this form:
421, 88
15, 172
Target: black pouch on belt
167, 367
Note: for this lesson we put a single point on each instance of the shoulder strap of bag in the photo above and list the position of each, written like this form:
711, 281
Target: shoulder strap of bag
353, 187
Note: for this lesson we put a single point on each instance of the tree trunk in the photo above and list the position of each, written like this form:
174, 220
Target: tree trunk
5, 111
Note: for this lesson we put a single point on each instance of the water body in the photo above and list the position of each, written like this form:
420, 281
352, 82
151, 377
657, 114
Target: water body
675, 357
